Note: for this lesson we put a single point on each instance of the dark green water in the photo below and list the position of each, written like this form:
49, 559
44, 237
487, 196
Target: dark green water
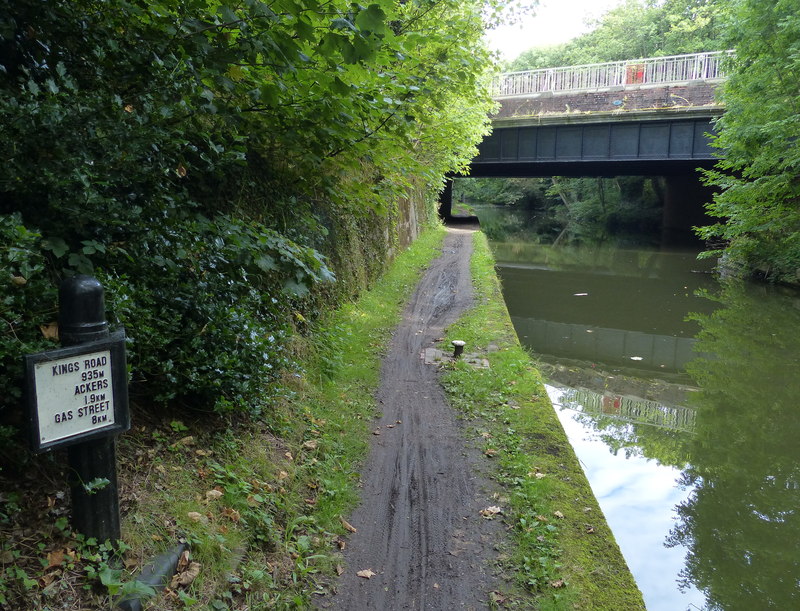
689, 430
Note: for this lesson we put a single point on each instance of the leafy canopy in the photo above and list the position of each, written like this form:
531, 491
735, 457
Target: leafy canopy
196, 155
758, 176
636, 28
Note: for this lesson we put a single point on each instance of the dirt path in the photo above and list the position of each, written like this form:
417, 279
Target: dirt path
419, 527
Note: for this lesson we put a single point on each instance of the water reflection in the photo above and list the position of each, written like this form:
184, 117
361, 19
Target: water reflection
730, 433
605, 304
741, 523
637, 496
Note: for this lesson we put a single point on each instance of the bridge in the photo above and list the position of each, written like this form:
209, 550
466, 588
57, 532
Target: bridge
649, 117
644, 116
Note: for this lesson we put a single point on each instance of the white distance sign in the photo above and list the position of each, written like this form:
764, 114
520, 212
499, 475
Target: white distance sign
74, 395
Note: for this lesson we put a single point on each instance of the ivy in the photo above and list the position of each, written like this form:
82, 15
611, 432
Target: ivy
201, 157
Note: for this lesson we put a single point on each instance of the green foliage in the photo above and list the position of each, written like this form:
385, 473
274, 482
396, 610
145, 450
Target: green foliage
198, 156
740, 522
496, 192
757, 205
637, 28
561, 209
27, 300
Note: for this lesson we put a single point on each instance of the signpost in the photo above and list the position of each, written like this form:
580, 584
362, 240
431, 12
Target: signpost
78, 397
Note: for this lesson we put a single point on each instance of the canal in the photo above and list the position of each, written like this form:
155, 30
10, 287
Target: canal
681, 396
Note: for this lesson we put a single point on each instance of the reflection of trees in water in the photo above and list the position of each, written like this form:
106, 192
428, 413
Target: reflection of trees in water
561, 210
741, 524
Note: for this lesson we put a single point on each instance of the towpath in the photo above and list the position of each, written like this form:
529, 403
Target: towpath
419, 528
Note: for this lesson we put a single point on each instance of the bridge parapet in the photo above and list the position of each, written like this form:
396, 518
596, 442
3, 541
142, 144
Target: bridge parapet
672, 69
680, 81
580, 106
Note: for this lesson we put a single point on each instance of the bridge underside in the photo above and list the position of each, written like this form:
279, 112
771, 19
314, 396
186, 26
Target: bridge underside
587, 168
663, 147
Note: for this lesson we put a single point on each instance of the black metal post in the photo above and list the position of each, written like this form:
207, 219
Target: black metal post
81, 320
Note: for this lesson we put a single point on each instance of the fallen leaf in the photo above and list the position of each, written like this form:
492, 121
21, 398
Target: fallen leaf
49, 578
183, 562
213, 495
542, 518
310, 445
19, 280
366, 574
341, 544
559, 515
50, 330
289, 456
186, 577
490, 452
347, 526
490, 512
231, 514
183, 441
54, 558
339, 569
203, 452
558, 583
436, 586
376, 432
283, 475
195, 516
589, 530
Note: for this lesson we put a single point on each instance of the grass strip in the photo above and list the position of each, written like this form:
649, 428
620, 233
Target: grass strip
563, 554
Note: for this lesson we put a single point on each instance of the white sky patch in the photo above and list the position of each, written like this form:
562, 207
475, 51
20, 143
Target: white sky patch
554, 22
638, 498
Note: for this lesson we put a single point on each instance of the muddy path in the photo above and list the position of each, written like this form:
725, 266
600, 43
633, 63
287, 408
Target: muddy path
418, 526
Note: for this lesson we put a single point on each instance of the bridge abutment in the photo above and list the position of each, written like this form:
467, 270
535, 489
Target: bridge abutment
684, 207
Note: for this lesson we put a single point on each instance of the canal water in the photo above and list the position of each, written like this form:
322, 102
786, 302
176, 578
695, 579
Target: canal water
681, 396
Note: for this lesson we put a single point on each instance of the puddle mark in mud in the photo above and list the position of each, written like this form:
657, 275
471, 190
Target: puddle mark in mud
419, 527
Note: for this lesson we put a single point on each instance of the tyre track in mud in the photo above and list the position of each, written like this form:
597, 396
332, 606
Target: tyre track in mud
418, 524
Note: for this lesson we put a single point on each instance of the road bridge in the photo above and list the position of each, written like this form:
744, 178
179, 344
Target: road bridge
650, 117
644, 116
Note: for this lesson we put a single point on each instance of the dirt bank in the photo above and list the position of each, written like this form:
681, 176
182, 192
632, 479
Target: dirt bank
418, 527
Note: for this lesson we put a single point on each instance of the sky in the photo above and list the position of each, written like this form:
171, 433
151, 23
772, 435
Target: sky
555, 21
637, 497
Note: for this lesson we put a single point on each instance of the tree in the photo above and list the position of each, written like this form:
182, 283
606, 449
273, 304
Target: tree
195, 154
758, 175
637, 28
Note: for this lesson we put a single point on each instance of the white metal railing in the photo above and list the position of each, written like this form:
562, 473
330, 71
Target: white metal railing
648, 71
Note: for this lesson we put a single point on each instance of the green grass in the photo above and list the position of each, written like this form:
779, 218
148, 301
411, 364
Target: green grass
287, 481
261, 502
563, 555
